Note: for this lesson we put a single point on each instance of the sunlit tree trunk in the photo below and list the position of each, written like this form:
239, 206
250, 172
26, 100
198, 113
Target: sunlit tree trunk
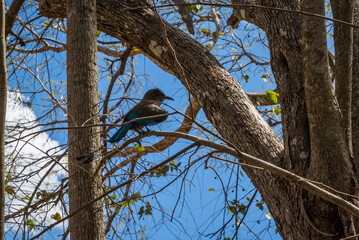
328, 127
82, 100
3, 99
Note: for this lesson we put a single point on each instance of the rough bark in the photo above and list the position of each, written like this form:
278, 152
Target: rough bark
3, 100
223, 100
355, 96
82, 99
343, 44
12, 14
325, 122
284, 37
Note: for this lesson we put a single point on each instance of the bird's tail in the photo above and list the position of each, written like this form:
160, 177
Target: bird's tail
120, 133
115, 138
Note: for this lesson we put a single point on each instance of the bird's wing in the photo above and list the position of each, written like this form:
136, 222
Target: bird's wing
146, 110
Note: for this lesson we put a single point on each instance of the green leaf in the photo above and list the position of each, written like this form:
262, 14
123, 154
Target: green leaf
141, 212
117, 209
136, 195
46, 23
271, 95
139, 148
10, 190
206, 32
246, 77
232, 209
268, 215
147, 211
9, 175
98, 33
211, 190
242, 209
196, 8
31, 224
56, 216
260, 205
114, 196
45, 195
276, 110
28, 104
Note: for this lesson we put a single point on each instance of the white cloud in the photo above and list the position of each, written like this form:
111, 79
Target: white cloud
30, 163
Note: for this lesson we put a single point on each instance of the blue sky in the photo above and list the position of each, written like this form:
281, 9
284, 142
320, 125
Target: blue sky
201, 206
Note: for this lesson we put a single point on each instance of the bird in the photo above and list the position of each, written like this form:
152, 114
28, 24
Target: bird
150, 105
147, 107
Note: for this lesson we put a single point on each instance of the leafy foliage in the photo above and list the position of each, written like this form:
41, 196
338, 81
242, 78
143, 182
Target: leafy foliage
271, 95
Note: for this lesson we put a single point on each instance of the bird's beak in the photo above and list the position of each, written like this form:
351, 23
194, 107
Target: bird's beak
169, 98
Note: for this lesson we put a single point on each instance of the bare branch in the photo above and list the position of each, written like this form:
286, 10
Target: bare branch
160, 146
185, 14
11, 15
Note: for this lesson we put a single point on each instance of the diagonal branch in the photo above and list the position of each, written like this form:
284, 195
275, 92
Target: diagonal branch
220, 96
160, 146
12, 14
252, 161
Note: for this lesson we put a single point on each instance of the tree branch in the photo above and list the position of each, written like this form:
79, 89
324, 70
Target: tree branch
11, 15
160, 146
185, 14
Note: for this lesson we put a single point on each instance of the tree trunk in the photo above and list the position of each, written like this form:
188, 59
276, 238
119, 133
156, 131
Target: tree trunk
11, 15
3, 100
325, 122
355, 97
82, 99
343, 44
226, 105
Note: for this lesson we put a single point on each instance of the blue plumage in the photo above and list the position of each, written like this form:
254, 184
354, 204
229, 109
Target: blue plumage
120, 133
147, 107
